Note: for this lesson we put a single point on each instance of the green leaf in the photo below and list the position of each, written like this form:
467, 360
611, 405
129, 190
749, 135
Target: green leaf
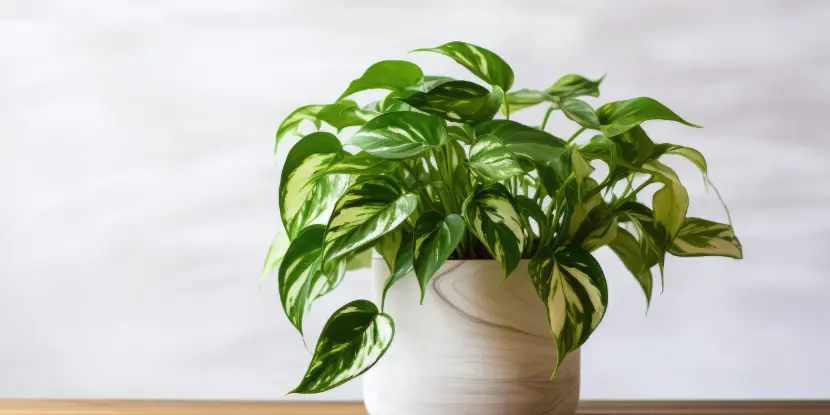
463, 133
701, 237
653, 240
635, 146
398, 135
490, 214
572, 285
620, 116
361, 260
670, 202
580, 112
524, 98
354, 338
388, 246
523, 141
458, 101
436, 237
484, 64
276, 252
360, 163
529, 209
630, 252
305, 192
292, 122
345, 113
391, 75
403, 264
429, 82
300, 276
366, 211
573, 85
492, 160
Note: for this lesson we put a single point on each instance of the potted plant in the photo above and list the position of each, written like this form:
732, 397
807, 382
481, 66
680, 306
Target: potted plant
494, 219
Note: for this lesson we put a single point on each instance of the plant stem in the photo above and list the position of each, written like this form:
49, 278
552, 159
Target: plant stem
506, 105
547, 115
577, 133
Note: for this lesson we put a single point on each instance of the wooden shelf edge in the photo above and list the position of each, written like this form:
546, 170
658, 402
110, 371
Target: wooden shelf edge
152, 407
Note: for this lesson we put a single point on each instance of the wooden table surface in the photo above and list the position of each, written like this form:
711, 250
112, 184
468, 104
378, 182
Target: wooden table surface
128, 407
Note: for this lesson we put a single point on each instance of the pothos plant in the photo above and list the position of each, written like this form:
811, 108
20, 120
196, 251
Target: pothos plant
434, 173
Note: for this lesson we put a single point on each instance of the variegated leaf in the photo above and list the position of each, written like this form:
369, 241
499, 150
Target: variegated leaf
630, 252
300, 276
620, 116
579, 111
573, 85
436, 237
490, 214
366, 211
388, 246
345, 113
523, 141
701, 237
353, 340
276, 252
462, 132
653, 239
525, 98
360, 163
402, 134
292, 122
392, 75
492, 160
671, 202
572, 285
686, 152
361, 260
484, 64
458, 101
305, 192
402, 264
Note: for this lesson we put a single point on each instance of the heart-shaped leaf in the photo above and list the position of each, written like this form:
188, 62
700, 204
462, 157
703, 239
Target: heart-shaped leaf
630, 252
701, 237
398, 135
458, 101
523, 141
345, 113
620, 116
300, 275
573, 85
304, 191
366, 211
580, 112
572, 285
292, 122
490, 214
436, 236
392, 75
402, 264
484, 64
353, 340
492, 160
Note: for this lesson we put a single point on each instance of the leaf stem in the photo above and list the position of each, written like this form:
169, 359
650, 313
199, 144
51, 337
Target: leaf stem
577, 133
506, 105
547, 116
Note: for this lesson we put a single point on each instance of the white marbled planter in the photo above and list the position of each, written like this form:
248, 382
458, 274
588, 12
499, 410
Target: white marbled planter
473, 347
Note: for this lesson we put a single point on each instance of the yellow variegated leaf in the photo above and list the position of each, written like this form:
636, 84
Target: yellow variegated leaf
481, 62
671, 202
490, 214
492, 160
701, 237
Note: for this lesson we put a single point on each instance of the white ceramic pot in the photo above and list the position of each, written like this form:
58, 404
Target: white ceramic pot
473, 347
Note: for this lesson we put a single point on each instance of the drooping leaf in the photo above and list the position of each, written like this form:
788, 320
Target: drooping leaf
671, 202
345, 113
392, 75
276, 252
492, 160
572, 285
361, 260
701, 237
458, 101
436, 237
534, 218
490, 214
300, 276
353, 340
292, 122
403, 264
523, 141
573, 85
388, 246
484, 64
653, 239
620, 116
525, 98
305, 192
366, 211
580, 112
630, 252
686, 152
398, 135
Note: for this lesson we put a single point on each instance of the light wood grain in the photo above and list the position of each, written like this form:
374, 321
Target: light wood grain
129, 407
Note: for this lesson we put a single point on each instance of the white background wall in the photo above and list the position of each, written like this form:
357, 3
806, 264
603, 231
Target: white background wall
137, 184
